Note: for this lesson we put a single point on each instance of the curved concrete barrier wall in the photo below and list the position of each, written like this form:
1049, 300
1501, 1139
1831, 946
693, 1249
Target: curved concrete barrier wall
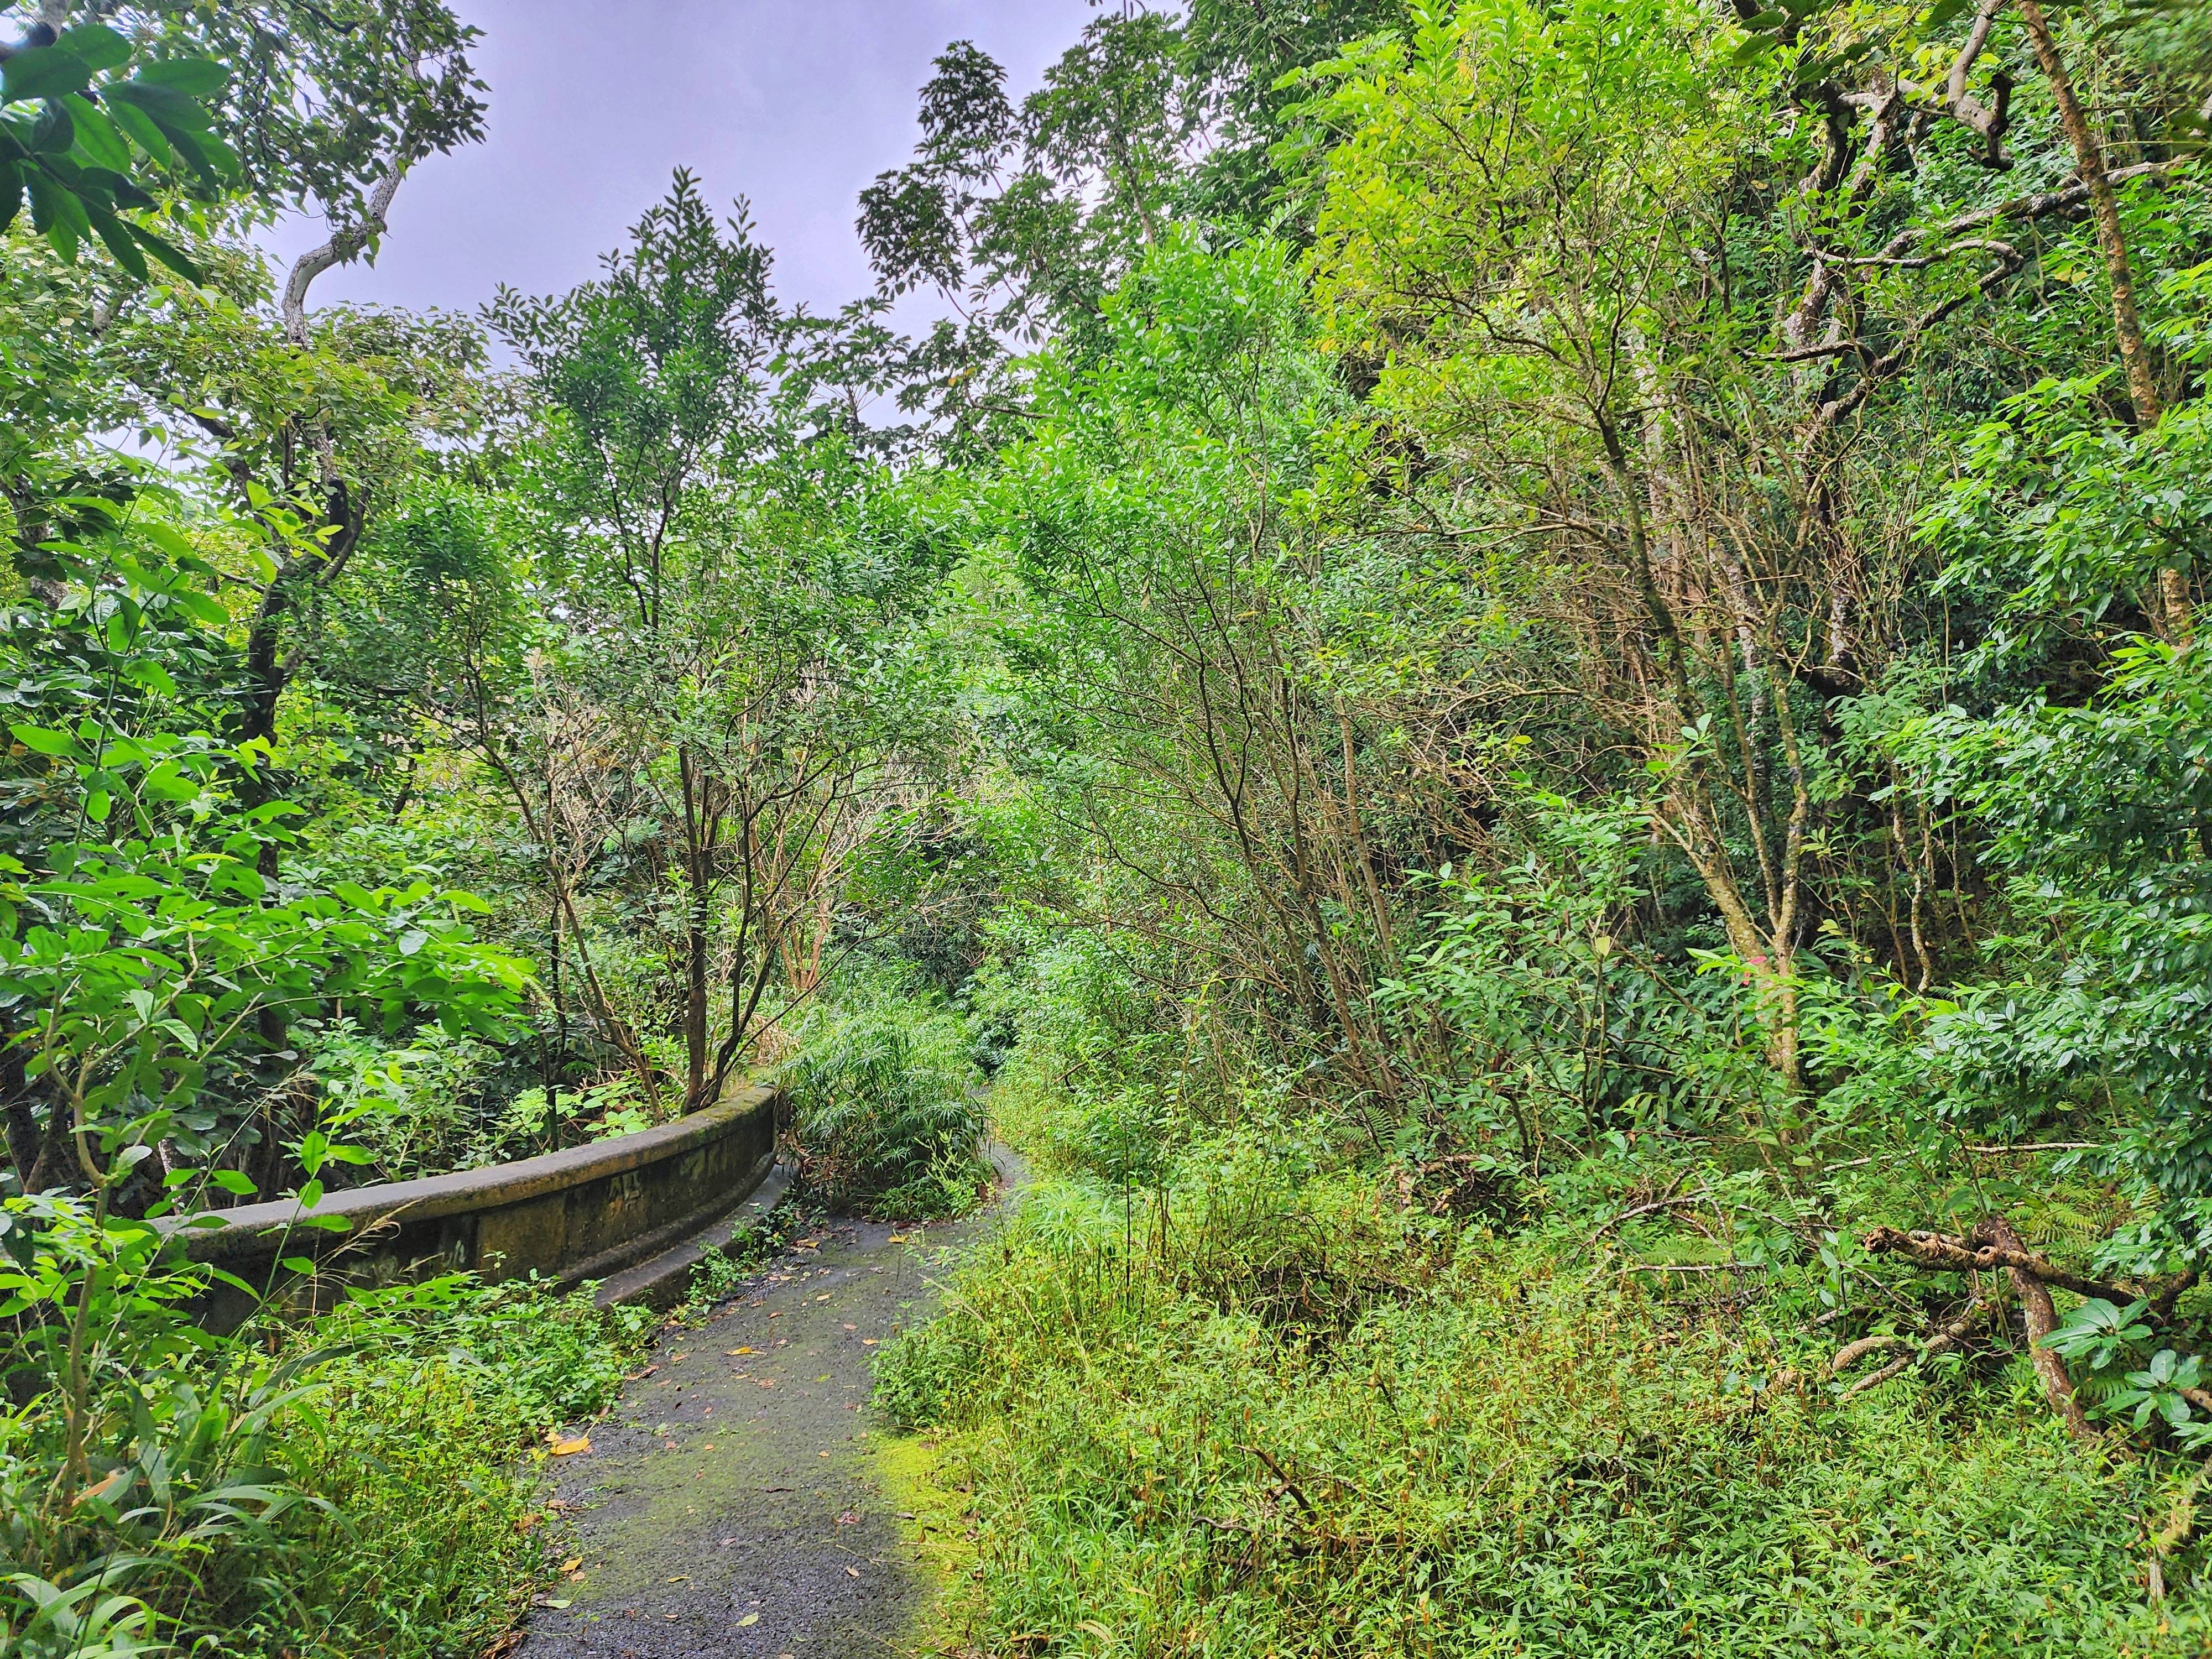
583, 1214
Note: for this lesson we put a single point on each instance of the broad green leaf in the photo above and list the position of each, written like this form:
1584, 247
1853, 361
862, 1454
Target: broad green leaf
232, 1181
96, 46
56, 132
139, 128
195, 77
43, 72
201, 608
41, 740
169, 256
103, 145
166, 105
117, 235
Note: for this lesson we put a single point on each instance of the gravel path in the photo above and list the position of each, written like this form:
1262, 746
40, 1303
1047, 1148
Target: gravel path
729, 1504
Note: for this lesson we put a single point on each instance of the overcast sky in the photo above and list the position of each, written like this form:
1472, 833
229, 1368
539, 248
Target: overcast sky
794, 104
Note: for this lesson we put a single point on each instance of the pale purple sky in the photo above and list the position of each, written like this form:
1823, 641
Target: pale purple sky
795, 104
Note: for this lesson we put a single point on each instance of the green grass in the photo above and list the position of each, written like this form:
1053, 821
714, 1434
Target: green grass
1404, 1442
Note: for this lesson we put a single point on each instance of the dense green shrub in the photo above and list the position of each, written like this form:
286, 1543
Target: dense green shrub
887, 1112
364, 1488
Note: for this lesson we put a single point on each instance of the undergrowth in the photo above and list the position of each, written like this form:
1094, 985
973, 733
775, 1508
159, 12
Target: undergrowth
1266, 1411
365, 1485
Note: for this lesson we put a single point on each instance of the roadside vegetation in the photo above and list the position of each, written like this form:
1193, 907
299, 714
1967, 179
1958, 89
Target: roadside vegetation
1526, 678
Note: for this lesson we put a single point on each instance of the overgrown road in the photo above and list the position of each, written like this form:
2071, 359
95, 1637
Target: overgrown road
732, 1503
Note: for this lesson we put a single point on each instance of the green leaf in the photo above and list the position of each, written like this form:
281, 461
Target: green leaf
56, 133
139, 128
296, 1264
202, 608
177, 262
43, 72
146, 672
42, 740
103, 145
96, 46
190, 147
195, 77
311, 1195
56, 213
113, 231
97, 805
172, 109
232, 1181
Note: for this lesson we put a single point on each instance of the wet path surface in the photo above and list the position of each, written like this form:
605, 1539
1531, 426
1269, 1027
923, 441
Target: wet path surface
729, 1504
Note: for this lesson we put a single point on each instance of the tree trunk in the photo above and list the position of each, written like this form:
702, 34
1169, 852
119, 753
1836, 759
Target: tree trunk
2172, 605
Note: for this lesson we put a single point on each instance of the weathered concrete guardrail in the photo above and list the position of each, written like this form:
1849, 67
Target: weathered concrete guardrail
590, 1213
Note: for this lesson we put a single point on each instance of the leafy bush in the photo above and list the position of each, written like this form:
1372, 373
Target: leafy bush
887, 1114
361, 1487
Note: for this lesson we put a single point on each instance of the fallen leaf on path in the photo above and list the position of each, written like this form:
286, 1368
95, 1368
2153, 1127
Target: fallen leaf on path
639, 1376
572, 1564
679, 1579
852, 1327
749, 1619
824, 1297
850, 1518
867, 1341
765, 1382
525, 1524
734, 1353
851, 1572
582, 1442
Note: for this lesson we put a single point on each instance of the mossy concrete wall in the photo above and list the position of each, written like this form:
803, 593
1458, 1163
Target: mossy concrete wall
585, 1213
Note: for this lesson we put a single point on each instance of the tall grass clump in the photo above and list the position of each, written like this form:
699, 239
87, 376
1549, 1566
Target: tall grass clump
887, 1112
